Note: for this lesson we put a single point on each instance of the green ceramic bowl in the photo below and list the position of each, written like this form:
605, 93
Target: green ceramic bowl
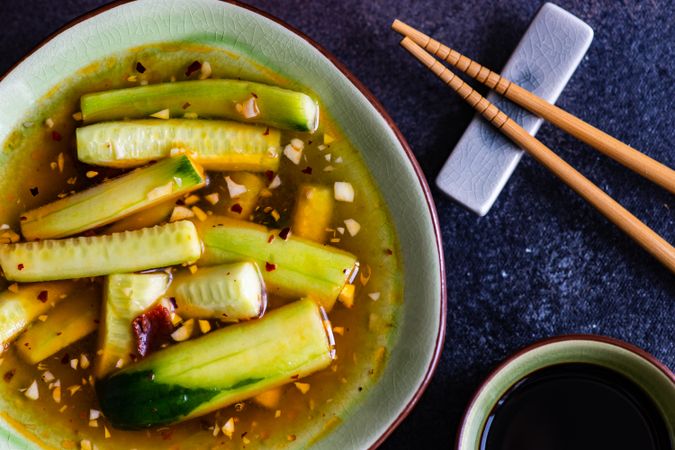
237, 28
643, 369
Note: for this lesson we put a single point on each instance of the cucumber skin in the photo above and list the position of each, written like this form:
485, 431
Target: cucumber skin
303, 268
280, 108
130, 251
215, 145
112, 200
176, 383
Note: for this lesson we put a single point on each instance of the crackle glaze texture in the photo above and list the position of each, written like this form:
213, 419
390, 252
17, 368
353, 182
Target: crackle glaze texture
542, 262
544, 60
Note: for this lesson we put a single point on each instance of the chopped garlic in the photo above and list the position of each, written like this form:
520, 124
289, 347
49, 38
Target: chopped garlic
52, 165
328, 169
91, 174
321, 147
48, 377
32, 391
297, 144
341, 230
180, 213
328, 156
190, 115
60, 161
73, 389
201, 215
216, 429
205, 70
160, 191
235, 189
85, 444
132, 78
212, 198
228, 428
276, 182
93, 423
94, 414
119, 363
163, 114
250, 108
352, 226
73, 363
339, 330
374, 295
49, 122
84, 361
14, 287
191, 200
292, 153
277, 413
106, 432
302, 387
184, 332
204, 326
193, 269
78, 116
56, 394
343, 191
327, 138
338, 160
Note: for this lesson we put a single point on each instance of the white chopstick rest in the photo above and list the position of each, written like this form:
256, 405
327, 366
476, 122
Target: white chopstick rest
545, 59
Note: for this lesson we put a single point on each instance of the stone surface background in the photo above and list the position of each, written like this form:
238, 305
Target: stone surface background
542, 262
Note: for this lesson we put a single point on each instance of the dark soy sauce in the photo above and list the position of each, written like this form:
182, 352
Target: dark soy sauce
575, 407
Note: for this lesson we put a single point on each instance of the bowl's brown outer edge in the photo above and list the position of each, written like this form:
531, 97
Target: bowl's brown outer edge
440, 337
552, 340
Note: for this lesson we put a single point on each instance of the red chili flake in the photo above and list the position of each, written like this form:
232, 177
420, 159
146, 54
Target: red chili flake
151, 329
20, 266
309, 142
254, 95
236, 208
43, 296
307, 170
66, 359
186, 105
388, 252
56, 136
269, 174
140, 68
243, 435
295, 377
59, 333
284, 233
23, 218
267, 132
173, 302
270, 239
192, 68
34, 191
269, 267
9, 375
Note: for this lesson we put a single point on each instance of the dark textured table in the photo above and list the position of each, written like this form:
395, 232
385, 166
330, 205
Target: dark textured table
542, 262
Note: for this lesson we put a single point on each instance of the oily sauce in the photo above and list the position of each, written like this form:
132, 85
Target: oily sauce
575, 407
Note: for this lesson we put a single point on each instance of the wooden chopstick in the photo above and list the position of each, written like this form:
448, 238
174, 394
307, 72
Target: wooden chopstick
603, 142
621, 217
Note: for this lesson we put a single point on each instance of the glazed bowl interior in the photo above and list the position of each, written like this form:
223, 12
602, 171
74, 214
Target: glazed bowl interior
636, 365
268, 44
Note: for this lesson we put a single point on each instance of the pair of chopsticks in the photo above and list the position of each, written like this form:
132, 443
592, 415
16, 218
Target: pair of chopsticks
424, 48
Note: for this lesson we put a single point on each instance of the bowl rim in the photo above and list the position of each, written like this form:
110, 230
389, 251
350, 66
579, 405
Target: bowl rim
440, 336
635, 350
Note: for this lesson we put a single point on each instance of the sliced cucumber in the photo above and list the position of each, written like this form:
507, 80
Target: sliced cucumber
313, 212
220, 368
113, 200
216, 145
217, 99
125, 297
68, 322
18, 309
230, 292
150, 217
131, 251
292, 267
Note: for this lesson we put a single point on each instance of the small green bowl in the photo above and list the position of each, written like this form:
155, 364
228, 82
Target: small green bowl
655, 379
117, 27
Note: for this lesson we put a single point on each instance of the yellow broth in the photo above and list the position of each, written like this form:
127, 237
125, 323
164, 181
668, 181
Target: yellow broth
364, 333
